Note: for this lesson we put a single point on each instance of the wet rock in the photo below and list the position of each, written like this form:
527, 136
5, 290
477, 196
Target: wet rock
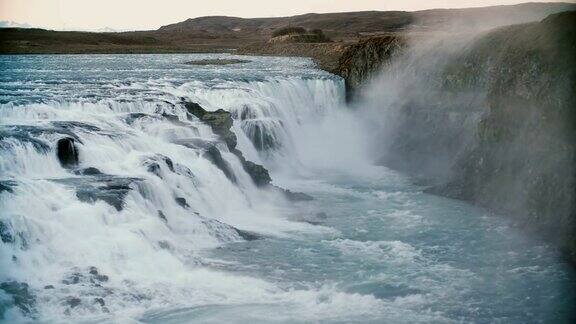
72, 301
174, 119
70, 125
248, 236
182, 202
21, 137
67, 152
257, 172
88, 171
154, 164
154, 168
131, 118
99, 301
72, 279
195, 143
214, 156
162, 216
362, 60
6, 233
107, 188
220, 121
21, 295
295, 196
321, 215
95, 276
164, 245
7, 185
262, 137
49, 287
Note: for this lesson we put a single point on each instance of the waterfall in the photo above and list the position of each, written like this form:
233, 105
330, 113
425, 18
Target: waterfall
124, 225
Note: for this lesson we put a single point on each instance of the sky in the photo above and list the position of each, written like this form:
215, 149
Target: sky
151, 14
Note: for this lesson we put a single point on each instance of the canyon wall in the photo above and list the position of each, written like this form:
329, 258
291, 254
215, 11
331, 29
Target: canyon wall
491, 120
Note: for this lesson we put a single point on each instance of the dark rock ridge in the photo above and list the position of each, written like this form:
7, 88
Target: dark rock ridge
496, 125
101, 187
221, 123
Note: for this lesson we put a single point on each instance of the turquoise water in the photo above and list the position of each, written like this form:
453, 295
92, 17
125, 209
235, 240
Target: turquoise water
370, 248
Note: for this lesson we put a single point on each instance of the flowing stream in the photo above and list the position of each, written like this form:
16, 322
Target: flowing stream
147, 229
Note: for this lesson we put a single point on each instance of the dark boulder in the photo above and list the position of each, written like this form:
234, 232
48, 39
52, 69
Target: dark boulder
21, 295
96, 277
67, 152
248, 236
7, 185
6, 233
180, 201
257, 172
72, 301
153, 164
99, 301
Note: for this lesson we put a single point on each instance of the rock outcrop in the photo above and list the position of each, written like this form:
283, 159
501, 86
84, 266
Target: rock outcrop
359, 62
221, 123
325, 55
67, 152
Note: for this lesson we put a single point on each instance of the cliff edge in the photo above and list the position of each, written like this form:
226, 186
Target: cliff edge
493, 124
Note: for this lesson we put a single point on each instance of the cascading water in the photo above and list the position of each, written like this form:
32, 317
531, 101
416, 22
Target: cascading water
142, 225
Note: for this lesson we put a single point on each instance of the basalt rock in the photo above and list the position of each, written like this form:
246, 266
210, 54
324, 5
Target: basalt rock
258, 173
180, 201
67, 152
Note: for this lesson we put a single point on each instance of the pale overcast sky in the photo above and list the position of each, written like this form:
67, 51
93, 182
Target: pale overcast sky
145, 14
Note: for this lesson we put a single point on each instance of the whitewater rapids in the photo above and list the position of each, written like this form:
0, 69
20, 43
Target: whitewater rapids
161, 235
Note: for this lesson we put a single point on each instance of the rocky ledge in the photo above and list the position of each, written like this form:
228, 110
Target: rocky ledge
220, 121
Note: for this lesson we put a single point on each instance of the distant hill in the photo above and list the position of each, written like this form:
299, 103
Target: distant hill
220, 33
13, 24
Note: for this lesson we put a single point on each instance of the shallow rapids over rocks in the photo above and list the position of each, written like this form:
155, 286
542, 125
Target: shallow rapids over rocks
126, 195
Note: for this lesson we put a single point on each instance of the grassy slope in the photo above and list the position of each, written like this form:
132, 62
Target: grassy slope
218, 34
